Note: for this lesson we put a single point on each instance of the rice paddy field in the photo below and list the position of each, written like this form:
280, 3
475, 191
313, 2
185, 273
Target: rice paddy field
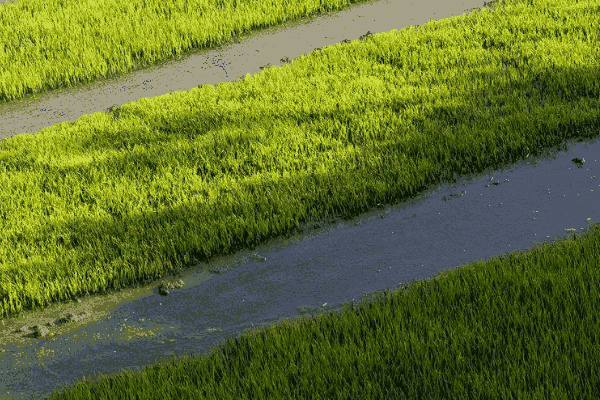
151, 187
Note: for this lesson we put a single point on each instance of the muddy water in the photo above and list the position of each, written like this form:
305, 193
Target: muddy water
319, 269
228, 63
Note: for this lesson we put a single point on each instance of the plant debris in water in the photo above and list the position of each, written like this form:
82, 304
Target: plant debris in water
165, 287
579, 162
41, 330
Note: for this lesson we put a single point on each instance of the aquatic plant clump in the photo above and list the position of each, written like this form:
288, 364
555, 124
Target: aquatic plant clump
43, 330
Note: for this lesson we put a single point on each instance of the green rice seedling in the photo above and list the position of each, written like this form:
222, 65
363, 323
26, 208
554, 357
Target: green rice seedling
35, 58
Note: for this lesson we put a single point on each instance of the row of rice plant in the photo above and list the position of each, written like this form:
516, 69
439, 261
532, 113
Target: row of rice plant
50, 44
161, 183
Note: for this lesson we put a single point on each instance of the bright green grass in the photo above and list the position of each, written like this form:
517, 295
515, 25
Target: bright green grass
120, 197
50, 44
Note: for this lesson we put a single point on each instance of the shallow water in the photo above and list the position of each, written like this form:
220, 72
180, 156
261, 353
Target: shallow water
320, 269
228, 63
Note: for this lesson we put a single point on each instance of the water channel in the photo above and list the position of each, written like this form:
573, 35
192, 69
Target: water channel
535, 200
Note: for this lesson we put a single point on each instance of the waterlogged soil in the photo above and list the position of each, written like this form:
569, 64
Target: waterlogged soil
74, 314
39, 330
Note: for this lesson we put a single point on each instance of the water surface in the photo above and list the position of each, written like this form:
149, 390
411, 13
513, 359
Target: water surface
229, 63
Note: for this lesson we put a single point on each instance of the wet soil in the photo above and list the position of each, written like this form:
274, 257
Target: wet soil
41, 329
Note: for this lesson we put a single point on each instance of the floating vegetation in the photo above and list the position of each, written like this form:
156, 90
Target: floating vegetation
165, 287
